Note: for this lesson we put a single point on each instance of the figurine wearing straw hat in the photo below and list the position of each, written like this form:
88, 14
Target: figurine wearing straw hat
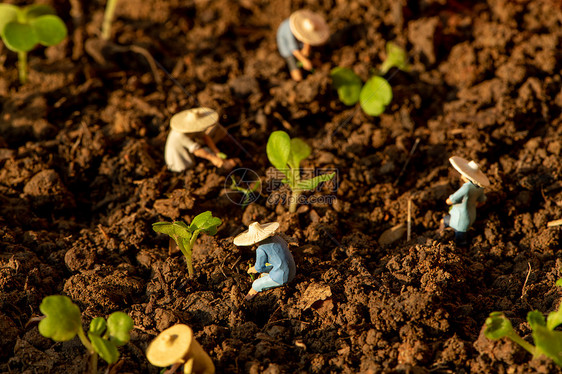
296, 34
273, 258
465, 200
187, 127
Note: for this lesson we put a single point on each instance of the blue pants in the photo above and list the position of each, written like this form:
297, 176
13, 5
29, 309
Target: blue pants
264, 283
461, 238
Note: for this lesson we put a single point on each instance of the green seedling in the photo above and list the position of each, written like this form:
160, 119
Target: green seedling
185, 236
249, 193
373, 96
395, 57
108, 19
22, 29
547, 341
286, 155
63, 322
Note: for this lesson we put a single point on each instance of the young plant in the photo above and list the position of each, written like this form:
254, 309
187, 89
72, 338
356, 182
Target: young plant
376, 94
286, 155
547, 340
185, 236
22, 29
395, 57
63, 322
373, 97
250, 194
108, 19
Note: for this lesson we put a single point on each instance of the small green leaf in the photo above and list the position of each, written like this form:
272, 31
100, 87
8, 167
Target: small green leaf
119, 326
347, 83
8, 13
395, 56
310, 184
278, 149
62, 320
176, 228
105, 348
535, 318
559, 282
19, 37
375, 96
299, 151
554, 319
97, 326
497, 326
205, 222
50, 29
33, 11
548, 342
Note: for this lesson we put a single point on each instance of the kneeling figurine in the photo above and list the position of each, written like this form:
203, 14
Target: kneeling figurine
273, 257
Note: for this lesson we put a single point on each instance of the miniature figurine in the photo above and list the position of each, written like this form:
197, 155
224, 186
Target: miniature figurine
273, 257
177, 346
180, 148
465, 200
296, 35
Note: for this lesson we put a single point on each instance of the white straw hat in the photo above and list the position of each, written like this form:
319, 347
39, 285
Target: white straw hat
256, 233
194, 120
470, 170
309, 27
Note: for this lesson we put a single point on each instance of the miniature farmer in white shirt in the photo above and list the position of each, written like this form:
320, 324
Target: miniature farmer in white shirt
296, 34
187, 128
464, 201
273, 257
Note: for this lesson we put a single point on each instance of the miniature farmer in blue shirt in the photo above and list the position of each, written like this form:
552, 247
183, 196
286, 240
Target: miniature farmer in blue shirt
296, 34
462, 213
273, 258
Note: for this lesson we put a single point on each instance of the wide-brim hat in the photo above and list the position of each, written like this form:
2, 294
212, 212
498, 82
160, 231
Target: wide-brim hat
171, 346
256, 233
470, 170
309, 27
194, 120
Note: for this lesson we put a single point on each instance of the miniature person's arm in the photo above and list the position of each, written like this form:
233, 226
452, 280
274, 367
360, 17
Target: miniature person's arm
458, 195
211, 144
203, 153
306, 64
261, 261
305, 49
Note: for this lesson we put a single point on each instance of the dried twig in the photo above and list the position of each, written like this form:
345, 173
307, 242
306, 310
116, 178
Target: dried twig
556, 222
409, 232
523, 291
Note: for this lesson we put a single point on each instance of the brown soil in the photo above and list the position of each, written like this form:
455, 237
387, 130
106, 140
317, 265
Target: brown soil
82, 178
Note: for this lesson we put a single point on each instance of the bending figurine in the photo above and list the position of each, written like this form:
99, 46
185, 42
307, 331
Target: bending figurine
464, 201
199, 124
296, 35
273, 258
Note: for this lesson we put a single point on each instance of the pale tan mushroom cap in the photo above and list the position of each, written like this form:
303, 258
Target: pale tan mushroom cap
171, 346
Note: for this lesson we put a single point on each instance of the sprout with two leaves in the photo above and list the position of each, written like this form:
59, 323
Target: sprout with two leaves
22, 29
286, 155
63, 322
547, 341
185, 236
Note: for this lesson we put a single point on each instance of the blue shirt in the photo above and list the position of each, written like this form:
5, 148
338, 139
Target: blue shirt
286, 41
274, 250
463, 211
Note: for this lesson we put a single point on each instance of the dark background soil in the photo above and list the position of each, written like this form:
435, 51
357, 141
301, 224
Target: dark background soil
82, 178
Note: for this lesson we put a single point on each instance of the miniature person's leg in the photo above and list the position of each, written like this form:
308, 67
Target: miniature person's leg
461, 238
264, 283
296, 73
